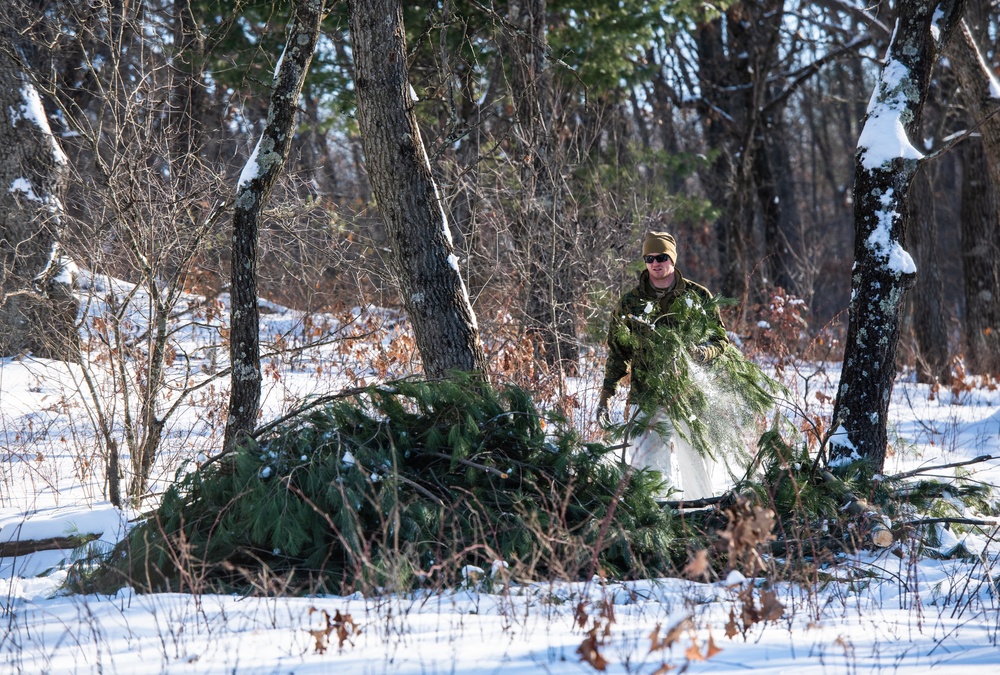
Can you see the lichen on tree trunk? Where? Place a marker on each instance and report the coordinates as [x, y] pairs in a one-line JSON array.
[[883, 271], [256, 182]]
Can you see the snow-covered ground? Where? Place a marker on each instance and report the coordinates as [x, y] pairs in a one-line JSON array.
[[888, 611]]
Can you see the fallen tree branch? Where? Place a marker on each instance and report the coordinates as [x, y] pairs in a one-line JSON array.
[[879, 532], [915, 472], [467, 462], [13, 549], [704, 502], [951, 521]]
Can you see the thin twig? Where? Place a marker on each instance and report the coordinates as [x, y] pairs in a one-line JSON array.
[[314, 403], [914, 472], [474, 465], [419, 488], [968, 132], [950, 521]]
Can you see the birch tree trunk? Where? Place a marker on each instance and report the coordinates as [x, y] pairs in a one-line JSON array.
[[255, 184], [422, 251], [885, 164]]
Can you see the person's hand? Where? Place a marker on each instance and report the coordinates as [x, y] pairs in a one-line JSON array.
[[603, 415], [703, 353]]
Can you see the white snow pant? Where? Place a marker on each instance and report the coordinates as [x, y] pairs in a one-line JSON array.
[[661, 448]]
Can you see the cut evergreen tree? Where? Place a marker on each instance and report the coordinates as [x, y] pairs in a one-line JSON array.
[[403, 484]]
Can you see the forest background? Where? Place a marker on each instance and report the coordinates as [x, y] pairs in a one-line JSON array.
[[172, 168], [556, 134]]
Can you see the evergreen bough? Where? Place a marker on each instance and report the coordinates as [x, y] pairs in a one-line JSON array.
[[708, 404], [402, 484]]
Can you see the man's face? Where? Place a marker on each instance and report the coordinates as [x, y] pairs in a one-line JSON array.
[[660, 267]]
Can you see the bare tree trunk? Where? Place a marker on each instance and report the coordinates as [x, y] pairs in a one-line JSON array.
[[774, 178], [980, 221], [37, 313], [733, 75], [255, 184], [981, 187], [399, 170], [883, 269], [927, 306], [188, 109]]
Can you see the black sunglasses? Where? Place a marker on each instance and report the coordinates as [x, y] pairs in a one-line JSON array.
[[661, 258]]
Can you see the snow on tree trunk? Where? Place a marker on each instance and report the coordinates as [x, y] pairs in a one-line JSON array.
[[37, 308], [256, 181], [399, 170], [885, 162]]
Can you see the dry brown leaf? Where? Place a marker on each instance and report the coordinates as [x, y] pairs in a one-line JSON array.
[[712, 649], [697, 566], [342, 623], [580, 614], [588, 652], [608, 611], [671, 637], [750, 613], [731, 628], [665, 668], [693, 653], [674, 634], [771, 608]]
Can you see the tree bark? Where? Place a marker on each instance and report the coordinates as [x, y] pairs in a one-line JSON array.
[[980, 190], [930, 331], [253, 189], [774, 178], [979, 217], [422, 251], [883, 269], [37, 308]]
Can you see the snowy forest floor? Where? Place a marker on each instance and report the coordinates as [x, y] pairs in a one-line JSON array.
[[894, 610]]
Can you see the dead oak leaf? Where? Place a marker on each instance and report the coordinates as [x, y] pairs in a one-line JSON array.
[[771, 608], [693, 653], [671, 635], [588, 652], [731, 627], [712, 649], [697, 567]]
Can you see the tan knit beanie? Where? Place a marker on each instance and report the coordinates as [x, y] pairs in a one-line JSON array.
[[660, 242]]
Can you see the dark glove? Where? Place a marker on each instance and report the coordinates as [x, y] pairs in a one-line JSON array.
[[603, 416]]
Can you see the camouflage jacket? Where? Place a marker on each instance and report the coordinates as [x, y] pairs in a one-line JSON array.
[[639, 311]]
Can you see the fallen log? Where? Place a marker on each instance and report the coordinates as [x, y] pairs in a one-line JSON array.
[[16, 548], [877, 530]]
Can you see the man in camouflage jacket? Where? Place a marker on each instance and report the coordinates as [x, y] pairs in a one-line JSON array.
[[640, 310]]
